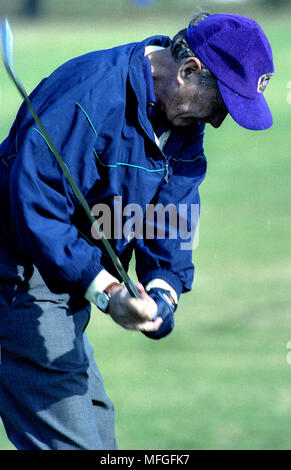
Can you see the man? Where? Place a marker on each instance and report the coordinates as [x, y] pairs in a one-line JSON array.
[[129, 123]]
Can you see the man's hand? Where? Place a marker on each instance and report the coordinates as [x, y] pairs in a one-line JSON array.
[[165, 310], [131, 313]]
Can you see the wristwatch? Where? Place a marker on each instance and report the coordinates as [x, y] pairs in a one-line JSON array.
[[102, 298]]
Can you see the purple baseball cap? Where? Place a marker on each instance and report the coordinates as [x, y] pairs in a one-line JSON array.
[[237, 52]]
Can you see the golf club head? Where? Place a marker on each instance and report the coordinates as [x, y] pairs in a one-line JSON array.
[[7, 44]]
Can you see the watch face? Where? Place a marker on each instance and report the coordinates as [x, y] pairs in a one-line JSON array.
[[102, 301]]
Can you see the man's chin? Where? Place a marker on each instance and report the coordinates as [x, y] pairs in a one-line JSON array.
[[184, 121]]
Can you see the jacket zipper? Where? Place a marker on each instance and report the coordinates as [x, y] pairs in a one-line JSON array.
[[167, 166], [166, 177]]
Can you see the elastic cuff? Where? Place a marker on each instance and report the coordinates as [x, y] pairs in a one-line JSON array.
[[167, 276], [160, 283]]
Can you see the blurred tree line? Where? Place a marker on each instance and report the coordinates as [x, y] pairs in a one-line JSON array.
[[37, 8], [34, 7]]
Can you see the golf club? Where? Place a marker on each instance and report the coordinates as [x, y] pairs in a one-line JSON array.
[[7, 52]]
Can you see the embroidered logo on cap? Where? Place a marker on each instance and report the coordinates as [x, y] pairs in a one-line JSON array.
[[263, 82]]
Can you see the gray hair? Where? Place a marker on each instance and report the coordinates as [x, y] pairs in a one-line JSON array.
[[180, 50]]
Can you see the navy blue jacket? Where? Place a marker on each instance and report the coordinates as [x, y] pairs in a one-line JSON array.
[[94, 107]]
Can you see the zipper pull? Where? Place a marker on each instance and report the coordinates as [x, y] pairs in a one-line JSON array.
[[166, 177]]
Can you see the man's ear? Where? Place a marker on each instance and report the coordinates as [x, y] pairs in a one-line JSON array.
[[189, 67]]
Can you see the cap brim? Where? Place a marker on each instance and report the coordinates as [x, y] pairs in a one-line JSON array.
[[252, 114]]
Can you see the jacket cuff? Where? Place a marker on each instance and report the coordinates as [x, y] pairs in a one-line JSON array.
[[167, 276], [161, 284]]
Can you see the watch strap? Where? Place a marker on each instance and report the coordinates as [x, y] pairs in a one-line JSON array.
[[109, 288]]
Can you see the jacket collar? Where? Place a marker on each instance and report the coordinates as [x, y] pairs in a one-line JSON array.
[[138, 81]]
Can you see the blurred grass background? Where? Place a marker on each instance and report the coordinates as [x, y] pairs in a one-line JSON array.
[[221, 380]]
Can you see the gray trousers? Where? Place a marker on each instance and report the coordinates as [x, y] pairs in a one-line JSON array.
[[51, 392]]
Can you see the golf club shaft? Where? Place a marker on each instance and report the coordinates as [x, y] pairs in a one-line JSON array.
[[131, 287]]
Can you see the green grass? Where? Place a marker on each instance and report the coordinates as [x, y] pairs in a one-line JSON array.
[[221, 380]]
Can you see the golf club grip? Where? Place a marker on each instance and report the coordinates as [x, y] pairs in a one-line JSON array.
[[132, 289]]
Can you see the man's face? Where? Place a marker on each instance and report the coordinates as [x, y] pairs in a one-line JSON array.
[[186, 101]]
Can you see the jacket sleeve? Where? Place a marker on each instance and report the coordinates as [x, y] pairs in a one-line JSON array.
[[42, 202], [165, 251]]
